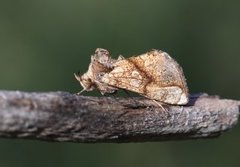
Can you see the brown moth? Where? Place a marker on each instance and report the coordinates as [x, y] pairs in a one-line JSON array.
[[154, 75]]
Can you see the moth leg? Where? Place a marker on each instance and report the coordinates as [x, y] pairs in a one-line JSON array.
[[160, 105], [79, 93], [125, 91], [104, 88]]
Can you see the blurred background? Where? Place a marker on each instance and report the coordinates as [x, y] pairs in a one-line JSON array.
[[42, 43]]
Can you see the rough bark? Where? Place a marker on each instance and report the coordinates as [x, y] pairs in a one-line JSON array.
[[61, 116]]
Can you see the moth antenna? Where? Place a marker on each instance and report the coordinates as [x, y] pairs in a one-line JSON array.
[[160, 105], [77, 76]]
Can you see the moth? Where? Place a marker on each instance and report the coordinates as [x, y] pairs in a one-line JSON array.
[[154, 75]]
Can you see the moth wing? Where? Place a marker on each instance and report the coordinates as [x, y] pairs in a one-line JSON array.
[[126, 76], [154, 75], [162, 69], [169, 95], [168, 83]]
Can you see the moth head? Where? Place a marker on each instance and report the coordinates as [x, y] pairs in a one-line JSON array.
[[85, 81]]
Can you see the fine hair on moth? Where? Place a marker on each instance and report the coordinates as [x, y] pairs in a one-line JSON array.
[[154, 75]]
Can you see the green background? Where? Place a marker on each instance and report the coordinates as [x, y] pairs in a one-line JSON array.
[[42, 43]]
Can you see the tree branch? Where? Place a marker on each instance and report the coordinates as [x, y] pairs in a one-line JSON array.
[[61, 116]]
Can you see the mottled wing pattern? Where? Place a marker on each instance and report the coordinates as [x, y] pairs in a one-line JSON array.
[[167, 79], [127, 76], [161, 68], [153, 74]]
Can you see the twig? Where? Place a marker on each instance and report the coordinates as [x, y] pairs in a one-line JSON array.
[[61, 116]]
